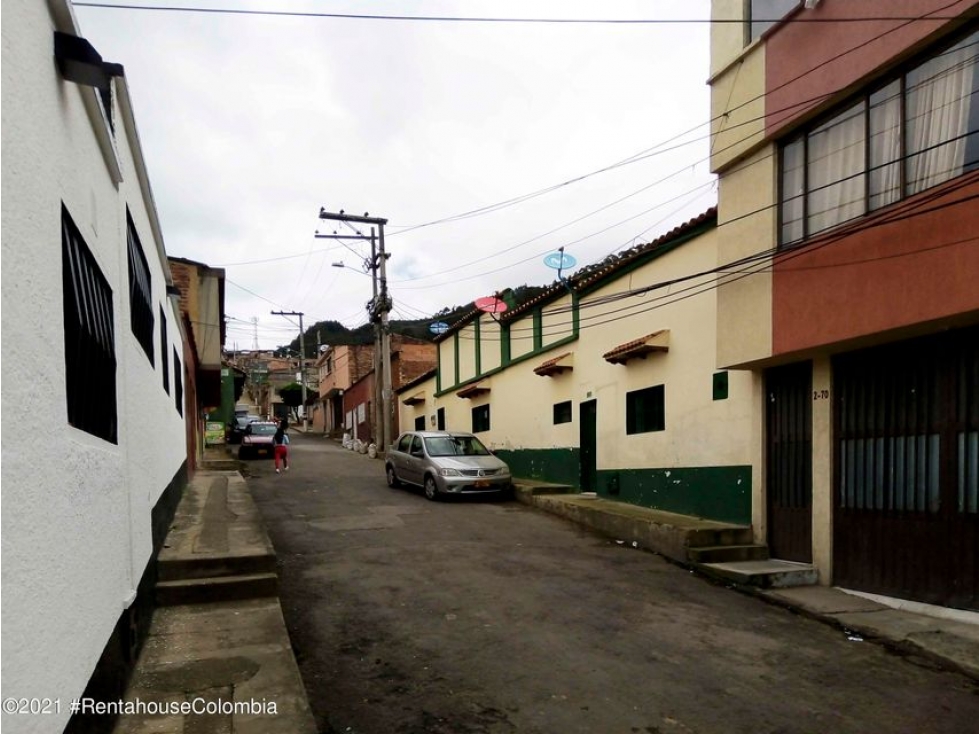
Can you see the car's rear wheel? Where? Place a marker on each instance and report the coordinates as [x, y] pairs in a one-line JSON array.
[[431, 488], [393, 480]]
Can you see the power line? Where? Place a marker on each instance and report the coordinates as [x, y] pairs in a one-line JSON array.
[[650, 152], [759, 261], [738, 167], [485, 19]]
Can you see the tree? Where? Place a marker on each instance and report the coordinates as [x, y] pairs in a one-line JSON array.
[[292, 396]]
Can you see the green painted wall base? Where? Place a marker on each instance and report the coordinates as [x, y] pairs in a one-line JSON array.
[[559, 466], [721, 493]]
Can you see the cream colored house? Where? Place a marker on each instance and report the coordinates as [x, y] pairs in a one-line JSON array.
[[608, 383]]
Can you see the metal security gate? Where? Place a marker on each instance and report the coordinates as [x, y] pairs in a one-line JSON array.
[[906, 517], [788, 478]]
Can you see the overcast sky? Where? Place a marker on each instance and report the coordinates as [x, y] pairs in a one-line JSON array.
[[250, 124]]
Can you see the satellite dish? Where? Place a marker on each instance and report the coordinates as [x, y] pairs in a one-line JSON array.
[[490, 304], [560, 260], [439, 327]]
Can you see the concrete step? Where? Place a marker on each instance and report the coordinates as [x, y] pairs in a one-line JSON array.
[[200, 567], [710, 537], [728, 553], [766, 574], [215, 589], [533, 488]]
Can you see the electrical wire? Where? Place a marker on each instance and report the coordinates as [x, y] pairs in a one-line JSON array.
[[739, 167], [932, 18], [483, 19], [743, 267]]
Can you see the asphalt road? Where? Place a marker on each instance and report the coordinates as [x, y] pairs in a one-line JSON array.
[[473, 617]]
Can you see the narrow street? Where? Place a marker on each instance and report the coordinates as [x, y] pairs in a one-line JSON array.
[[463, 617]]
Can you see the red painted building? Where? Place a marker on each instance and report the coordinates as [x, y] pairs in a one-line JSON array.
[[847, 145]]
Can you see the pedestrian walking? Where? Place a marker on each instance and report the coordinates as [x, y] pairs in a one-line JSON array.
[[280, 446]]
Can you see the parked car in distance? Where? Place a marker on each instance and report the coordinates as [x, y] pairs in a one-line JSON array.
[[256, 442], [238, 426], [446, 463]]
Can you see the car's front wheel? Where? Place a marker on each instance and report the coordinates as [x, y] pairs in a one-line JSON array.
[[393, 480], [431, 488]]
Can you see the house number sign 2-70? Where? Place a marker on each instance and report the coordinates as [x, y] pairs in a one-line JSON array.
[[820, 395]]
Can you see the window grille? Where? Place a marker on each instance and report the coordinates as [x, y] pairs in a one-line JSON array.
[[90, 358], [645, 410], [562, 412], [140, 290], [164, 364], [178, 384], [481, 418]]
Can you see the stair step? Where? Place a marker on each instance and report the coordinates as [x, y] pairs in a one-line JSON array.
[[728, 553], [768, 574], [219, 588], [185, 569], [712, 537]]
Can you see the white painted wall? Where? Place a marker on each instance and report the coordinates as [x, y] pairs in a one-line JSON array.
[[699, 430], [76, 509]]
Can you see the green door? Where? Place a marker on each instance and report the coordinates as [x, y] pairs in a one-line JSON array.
[[588, 436]]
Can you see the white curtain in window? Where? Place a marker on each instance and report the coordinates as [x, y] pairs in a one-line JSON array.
[[836, 163], [939, 95], [793, 191], [885, 146]]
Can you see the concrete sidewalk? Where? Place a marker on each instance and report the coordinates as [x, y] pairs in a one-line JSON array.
[[949, 638], [218, 657]]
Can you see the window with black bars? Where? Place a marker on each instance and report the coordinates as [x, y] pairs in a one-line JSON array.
[[645, 410], [140, 290], [481, 418], [178, 384], [90, 356], [164, 364], [562, 412]]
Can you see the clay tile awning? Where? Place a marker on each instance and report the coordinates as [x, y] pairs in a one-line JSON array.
[[418, 397], [658, 341], [473, 390], [563, 363]]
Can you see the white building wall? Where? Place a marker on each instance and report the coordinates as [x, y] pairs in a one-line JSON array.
[[76, 523], [490, 354], [700, 431]]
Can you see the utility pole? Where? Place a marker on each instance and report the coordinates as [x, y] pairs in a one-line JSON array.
[[380, 306], [302, 361]]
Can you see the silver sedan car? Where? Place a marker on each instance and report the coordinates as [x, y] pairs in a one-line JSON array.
[[446, 463]]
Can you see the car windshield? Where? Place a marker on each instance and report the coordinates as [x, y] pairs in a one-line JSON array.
[[455, 446], [261, 429]]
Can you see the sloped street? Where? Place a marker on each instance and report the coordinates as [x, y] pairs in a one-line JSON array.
[[411, 616]]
